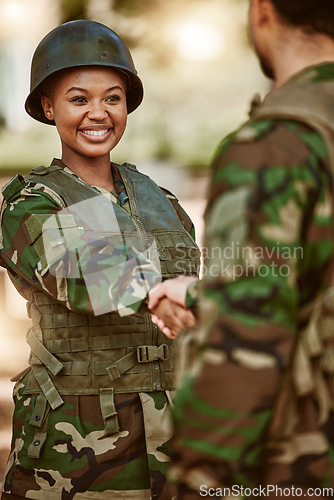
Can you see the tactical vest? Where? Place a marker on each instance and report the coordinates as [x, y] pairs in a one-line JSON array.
[[82, 354], [302, 100]]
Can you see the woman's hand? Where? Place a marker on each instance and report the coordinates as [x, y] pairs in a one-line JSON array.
[[171, 318], [174, 289]]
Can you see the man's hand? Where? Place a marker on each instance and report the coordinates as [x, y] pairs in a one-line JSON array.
[[173, 289], [171, 318]]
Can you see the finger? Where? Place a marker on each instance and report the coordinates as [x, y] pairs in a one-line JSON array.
[[155, 295], [154, 318], [170, 315], [161, 324], [158, 322], [191, 319], [169, 333], [186, 318]]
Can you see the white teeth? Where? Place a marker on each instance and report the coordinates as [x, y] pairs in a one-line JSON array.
[[95, 133]]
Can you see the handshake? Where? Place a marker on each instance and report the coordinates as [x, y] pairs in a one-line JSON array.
[[167, 303]]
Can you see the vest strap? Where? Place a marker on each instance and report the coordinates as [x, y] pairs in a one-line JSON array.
[[76, 368], [39, 420], [99, 343], [143, 354], [35, 448], [109, 413], [46, 385], [41, 360], [40, 412], [43, 354], [304, 101]]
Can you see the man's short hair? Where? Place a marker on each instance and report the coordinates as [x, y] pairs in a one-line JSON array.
[[314, 16]]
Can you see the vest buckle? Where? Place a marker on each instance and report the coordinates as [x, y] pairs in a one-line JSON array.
[[149, 353]]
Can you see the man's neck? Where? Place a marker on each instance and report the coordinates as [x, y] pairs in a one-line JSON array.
[[295, 54]]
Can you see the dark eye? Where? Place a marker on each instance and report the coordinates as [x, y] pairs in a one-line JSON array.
[[79, 98], [113, 98]]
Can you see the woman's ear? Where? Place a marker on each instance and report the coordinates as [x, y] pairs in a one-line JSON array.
[[47, 107]]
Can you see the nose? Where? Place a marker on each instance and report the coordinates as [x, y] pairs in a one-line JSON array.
[[97, 111]]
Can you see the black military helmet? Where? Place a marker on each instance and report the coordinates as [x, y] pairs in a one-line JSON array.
[[80, 43]]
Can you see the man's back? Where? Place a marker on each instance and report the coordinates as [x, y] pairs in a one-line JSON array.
[[244, 420]]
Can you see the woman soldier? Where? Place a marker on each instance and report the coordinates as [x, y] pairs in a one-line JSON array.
[[79, 241]]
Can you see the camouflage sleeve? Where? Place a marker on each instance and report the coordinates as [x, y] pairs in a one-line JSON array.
[[58, 250], [268, 246], [191, 300]]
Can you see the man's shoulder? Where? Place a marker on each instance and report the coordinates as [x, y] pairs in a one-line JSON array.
[[252, 131], [247, 134], [271, 140], [268, 151]]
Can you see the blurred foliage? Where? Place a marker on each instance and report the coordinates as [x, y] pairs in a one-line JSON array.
[[2, 123], [75, 9], [78, 9], [141, 24], [130, 7], [138, 23]]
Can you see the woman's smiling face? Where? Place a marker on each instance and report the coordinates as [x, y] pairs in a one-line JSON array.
[[88, 105]]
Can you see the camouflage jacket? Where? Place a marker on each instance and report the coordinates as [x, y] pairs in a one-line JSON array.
[[79, 275], [255, 409]]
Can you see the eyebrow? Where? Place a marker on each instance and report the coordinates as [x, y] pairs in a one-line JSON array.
[[79, 89]]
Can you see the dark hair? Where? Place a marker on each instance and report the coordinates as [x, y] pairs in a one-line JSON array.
[[314, 16], [46, 88]]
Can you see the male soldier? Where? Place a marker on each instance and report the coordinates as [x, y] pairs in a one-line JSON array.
[[257, 413]]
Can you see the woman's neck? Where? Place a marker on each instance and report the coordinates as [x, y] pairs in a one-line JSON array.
[[93, 171]]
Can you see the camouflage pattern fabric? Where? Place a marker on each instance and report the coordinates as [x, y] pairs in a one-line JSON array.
[[78, 460], [256, 404], [32, 205]]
